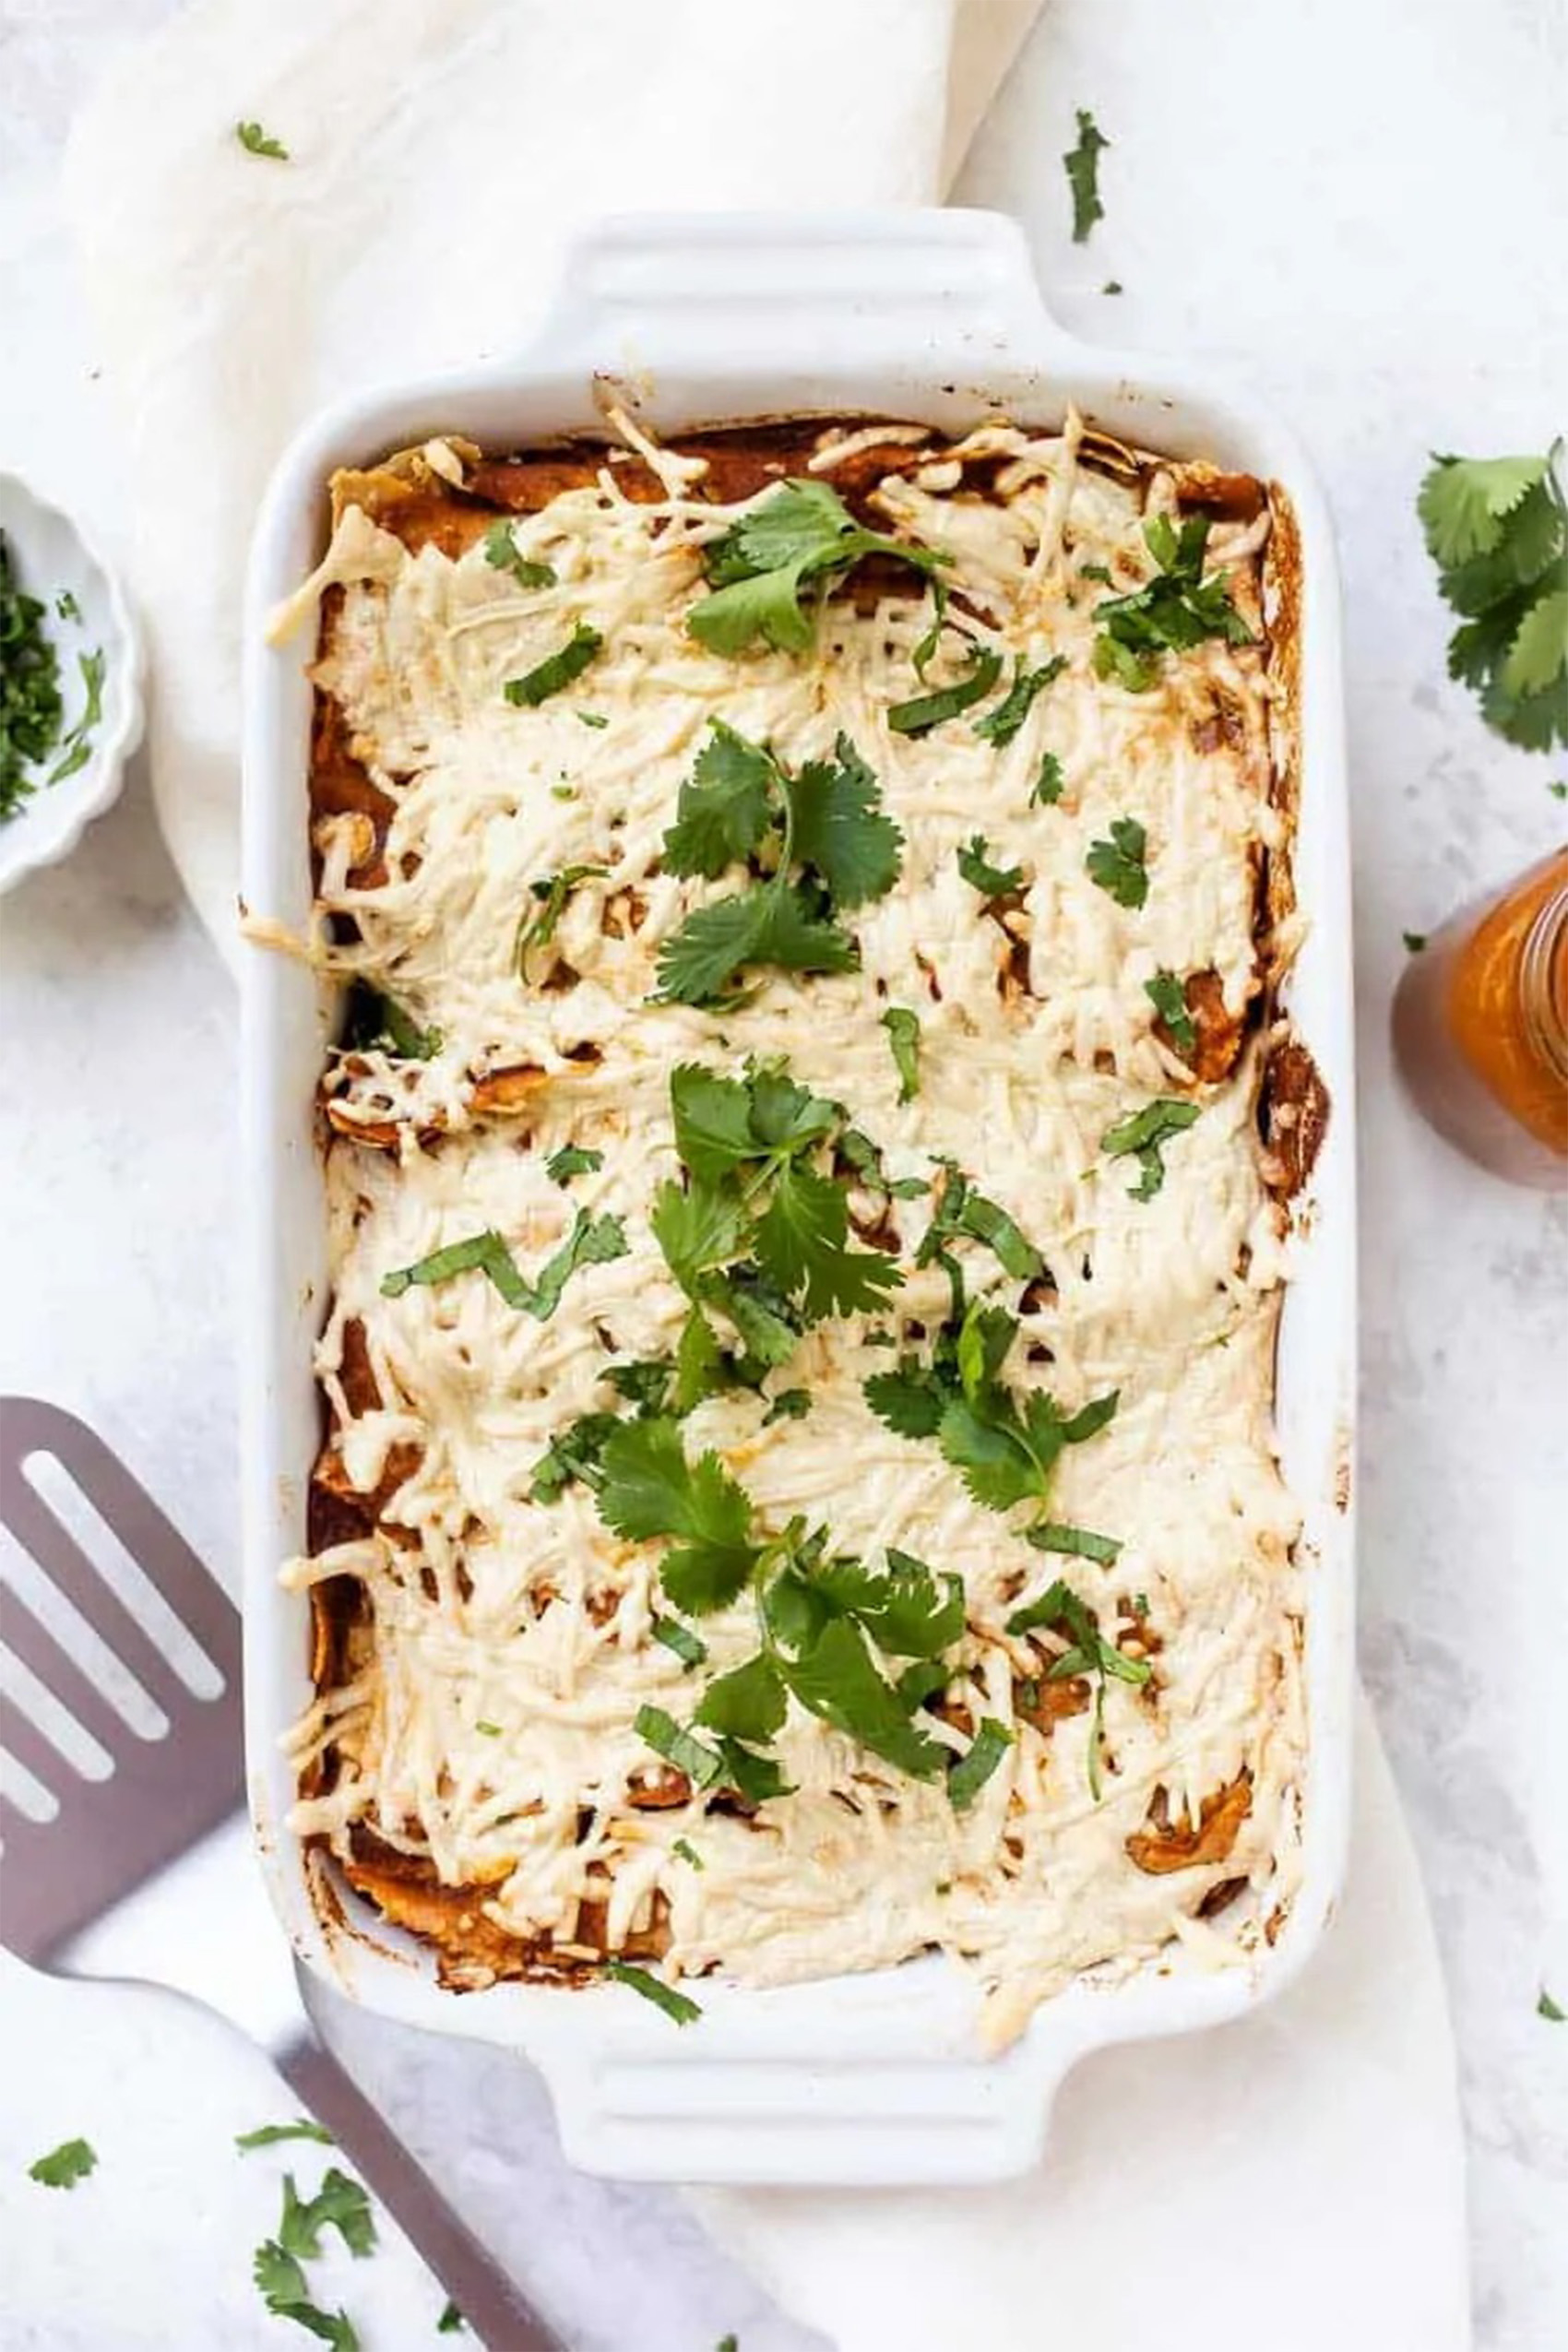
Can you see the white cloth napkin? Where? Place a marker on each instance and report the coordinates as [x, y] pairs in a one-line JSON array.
[[438, 151], [1297, 2178]]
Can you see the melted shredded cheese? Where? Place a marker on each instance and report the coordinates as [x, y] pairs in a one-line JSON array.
[[489, 1729]]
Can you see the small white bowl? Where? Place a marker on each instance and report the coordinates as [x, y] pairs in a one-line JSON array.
[[51, 559]]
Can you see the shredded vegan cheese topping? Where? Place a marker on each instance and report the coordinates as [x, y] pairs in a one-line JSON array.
[[483, 1726]]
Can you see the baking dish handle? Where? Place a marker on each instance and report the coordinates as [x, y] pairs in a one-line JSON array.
[[754, 291]]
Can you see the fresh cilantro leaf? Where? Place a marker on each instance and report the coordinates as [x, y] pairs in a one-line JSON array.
[[910, 1400], [968, 1775], [1557, 790], [688, 1853], [551, 891], [801, 533], [501, 553], [650, 1489], [1048, 784], [268, 2134], [255, 141], [1547, 2008], [768, 1326], [287, 2296], [725, 807], [788, 1405], [340, 2203], [999, 726], [1117, 865], [903, 1035], [572, 1453], [1088, 1655], [1077, 1542], [702, 1765], [712, 1115], [31, 710], [645, 1381], [1464, 502], [1414, 941], [922, 712], [992, 882], [1168, 996], [748, 1703], [1082, 163], [1176, 610], [1142, 1133], [799, 1241], [925, 649], [962, 1210], [63, 2166], [836, 1680], [754, 1778], [573, 1159], [451, 2322], [838, 829], [556, 672], [767, 926], [679, 2006], [689, 1648], [907, 1610]]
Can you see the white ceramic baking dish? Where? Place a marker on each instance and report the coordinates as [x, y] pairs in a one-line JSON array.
[[935, 316]]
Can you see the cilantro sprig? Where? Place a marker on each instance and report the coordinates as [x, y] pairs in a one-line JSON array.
[[1497, 530], [593, 1240], [1171, 614], [758, 1231], [801, 537], [817, 844]]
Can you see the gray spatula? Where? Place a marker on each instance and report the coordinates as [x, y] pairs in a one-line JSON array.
[[161, 1795]]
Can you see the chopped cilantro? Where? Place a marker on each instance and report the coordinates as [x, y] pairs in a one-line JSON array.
[[968, 1775], [1168, 996], [992, 882], [688, 1853], [1046, 788], [678, 2006], [501, 553], [689, 1648], [1117, 865], [255, 141], [903, 1035], [1142, 1133], [1082, 163], [63, 2166], [788, 1405], [573, 1159], [999, 725], [551, 891], [923, 712], [593, 1240], [31, 710], [1171, 614], [268, 2135], [557, 670], [1547, 2008]]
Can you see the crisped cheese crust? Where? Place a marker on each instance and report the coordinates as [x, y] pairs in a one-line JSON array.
[[482, 1721]]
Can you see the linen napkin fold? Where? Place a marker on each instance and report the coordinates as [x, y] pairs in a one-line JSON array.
[[438, 151]]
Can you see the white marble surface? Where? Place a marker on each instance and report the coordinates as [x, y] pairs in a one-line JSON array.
[[1382, 256]]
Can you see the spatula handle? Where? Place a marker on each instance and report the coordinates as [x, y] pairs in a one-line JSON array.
[[491, 2305]]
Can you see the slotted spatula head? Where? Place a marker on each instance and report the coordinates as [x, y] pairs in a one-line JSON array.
[[163, 1793]]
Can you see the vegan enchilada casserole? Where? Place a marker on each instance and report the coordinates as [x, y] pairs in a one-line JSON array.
[[807, 1157]]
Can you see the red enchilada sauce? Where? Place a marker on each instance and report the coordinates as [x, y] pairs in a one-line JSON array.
[[1480, 1028]]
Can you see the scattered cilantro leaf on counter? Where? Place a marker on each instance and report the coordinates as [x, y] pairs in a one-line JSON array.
[[728, 2343], [551, 891], [593, 1240], [66, 607], [1175, 611], [968, 1775], [788, 1405], [340, 2203], [502, 554], [573, 1159], [269, 2134], [992, 882], [1142, 1133], [903, 1035], [999, 725], [1546, 2007], [922, 712], [286, 2293], [801, 535], [255, 141], [1117, 865], [689, 1648], [556, 672], [1168, 996], [678, 2006], [451, 2322], [63, 2166], [1047, 788], [1082, 164], [1497, 530], [31, 710], [817, 841], [1414, 941], [1111, 286]]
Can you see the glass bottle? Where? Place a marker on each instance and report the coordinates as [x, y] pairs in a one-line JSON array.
[[1481, 1027]]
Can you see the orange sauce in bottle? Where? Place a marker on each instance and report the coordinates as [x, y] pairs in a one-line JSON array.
[[1481, 1027]]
